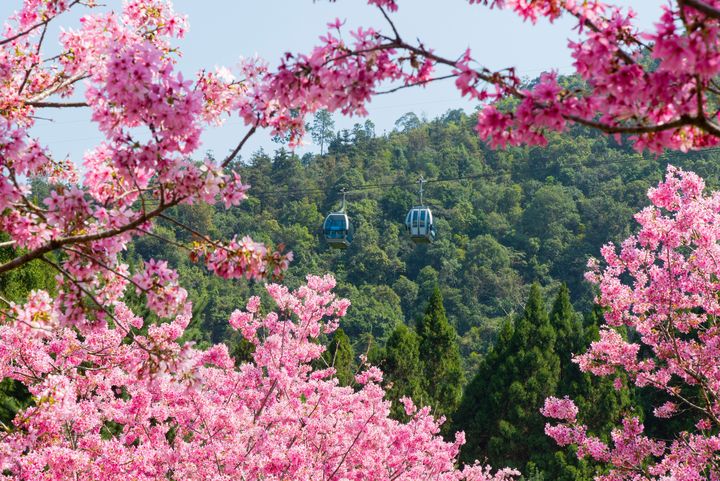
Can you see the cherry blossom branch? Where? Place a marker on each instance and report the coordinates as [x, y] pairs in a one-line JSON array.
[[81, 239], [57, 105], [79, 285], [94, 260], [700, 120], [633, 129], [352, 445], [619, 52], [701, 6], [37, 25], [240, 145], [47, 93], [264, 401], [389, 20], [415, 84], [32, 67]]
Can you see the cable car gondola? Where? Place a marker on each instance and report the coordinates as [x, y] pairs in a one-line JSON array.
[[419, 221], [337, 229]]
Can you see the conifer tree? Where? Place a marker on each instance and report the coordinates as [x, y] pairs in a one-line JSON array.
[[403, 369], [569, 340], [601, 404], [500, 412], [532, 359], [341, 356], [440, 354], [597, 395]]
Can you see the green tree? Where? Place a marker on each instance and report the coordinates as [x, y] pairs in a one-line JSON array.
[[500, 411], [440, 355], [341, 356], [601, 404], [581, 387], [569, 339], [16, 284], [402, 367], [321, 129]]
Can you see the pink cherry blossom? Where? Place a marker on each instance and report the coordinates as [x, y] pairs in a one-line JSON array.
[[662, 283], [110, 409]]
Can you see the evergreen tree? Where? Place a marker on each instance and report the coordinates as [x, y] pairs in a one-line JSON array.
[[581, 387], [500, 412], [403, 368], [569, 340], [601, 405], [321, 129], [341, 356], [440, 354]]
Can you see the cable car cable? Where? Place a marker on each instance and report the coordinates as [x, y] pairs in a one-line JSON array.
[[484, 175]]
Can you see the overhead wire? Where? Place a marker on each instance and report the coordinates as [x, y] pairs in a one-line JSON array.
[[354, 189]]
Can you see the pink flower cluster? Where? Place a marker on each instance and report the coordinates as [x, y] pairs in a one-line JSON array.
[[155, 409], [662, 284], [665, 107], [151, 116], [242, 258], [164, 296]]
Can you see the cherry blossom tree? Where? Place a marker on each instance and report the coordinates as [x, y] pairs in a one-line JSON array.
[[662, 283], [155, 409]]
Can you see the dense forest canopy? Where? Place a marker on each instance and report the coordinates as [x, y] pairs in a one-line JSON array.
[[506, 219]]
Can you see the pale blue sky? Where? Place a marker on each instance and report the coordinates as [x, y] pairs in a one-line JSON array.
[[221, 31]]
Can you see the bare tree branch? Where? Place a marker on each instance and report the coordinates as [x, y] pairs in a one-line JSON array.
[[239, 146], [701, 6], [81, 239], [57, 105], [415, 84]]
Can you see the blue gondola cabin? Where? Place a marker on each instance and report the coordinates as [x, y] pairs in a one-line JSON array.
[[338, 230], [419, 224]]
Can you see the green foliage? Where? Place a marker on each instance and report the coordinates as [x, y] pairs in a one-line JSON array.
[[523, 214], [13, 397], [569, 338], [341, 356], [375, 310], [442, 366], [16, 284], [402, 368], [500, 408]]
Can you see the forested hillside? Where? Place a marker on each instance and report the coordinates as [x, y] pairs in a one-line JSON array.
[[453, 324], [481, 324], [506, 219]]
